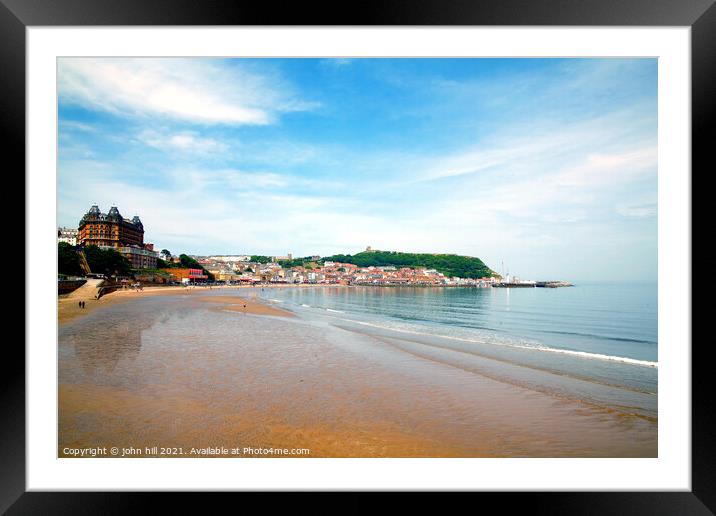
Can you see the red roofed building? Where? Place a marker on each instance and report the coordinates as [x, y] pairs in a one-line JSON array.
[[187, 275]]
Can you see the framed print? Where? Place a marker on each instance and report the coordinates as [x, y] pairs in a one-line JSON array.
[[445, 248]]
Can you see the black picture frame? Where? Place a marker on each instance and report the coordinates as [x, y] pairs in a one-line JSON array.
[[17, 15]]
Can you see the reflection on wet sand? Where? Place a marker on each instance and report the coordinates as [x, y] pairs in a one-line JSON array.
[[174, 372], [123, 341]]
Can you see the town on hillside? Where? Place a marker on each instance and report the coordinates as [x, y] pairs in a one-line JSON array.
[[108, 245]]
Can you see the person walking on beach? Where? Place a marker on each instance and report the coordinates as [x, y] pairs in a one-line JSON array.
[[80, 304]]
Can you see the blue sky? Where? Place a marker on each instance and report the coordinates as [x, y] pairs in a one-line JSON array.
[[547, 165]]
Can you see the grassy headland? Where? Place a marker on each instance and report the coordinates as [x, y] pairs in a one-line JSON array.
[[449, 264]]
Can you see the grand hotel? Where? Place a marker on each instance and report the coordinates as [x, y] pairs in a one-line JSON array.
[[112, 230]]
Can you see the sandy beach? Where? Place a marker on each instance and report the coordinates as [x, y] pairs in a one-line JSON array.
[[198, 369], [245, 305], [214, 422], [68, 306]]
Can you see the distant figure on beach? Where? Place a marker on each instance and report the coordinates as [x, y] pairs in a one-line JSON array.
[[80, 304]]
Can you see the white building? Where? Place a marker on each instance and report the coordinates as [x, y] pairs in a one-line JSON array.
[[231, 258], [67, 235]]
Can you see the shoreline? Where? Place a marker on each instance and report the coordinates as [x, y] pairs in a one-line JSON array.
[[69, 310], [68, 306]]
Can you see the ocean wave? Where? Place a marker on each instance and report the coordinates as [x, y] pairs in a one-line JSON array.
[[601, 337], [581, 354], [595, 356], [336, 311]]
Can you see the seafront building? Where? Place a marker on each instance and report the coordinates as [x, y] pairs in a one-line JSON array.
[[109, 229], [224, 274], [139, 257], [112, 230], [187, 275]]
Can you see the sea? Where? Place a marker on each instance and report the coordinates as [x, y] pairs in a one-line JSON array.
[[595, 341]]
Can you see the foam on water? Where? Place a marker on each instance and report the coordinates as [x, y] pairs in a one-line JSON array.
[[537, 347]]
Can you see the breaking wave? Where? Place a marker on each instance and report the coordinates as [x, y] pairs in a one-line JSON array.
[[538, 347]]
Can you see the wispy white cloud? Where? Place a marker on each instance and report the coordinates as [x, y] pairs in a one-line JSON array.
[[544, 145], [183, 141], [218, 210], [76, 126], [561, 195], [337, 61], [227, 180], [638, 211], [610, 169], [196, 90]]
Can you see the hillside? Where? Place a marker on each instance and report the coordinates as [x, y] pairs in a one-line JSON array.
[[449, 264]]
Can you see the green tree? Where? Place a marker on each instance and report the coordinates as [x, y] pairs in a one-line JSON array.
[[190, 263], [167, 252], [68, 261], [449, 264], [107, 261], [296, 262]]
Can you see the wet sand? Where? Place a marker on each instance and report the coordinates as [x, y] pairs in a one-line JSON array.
[[245, 305], [189, 371], [68, 308]]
